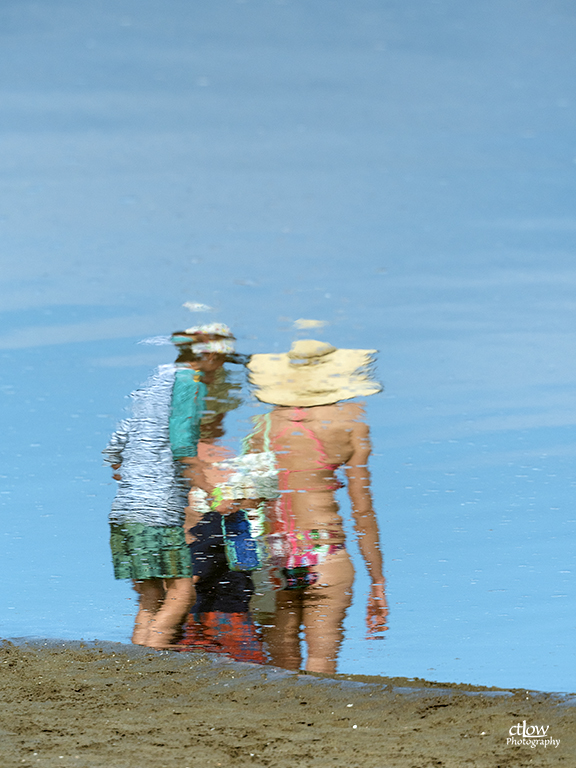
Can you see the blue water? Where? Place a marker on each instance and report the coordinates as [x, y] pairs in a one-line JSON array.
[[404, 172]]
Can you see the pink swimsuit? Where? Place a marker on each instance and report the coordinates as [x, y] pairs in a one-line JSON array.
[[292, 548]]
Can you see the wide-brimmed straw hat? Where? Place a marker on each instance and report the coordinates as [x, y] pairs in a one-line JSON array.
[[313, 373]]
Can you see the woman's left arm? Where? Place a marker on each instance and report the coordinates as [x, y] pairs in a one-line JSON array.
[[365, 523]]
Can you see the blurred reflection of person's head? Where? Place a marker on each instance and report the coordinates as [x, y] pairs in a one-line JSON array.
[[205, 348]]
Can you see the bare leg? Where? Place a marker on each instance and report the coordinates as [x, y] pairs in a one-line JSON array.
[[281, 633], [179, 598], [324, 608], [151, 593]]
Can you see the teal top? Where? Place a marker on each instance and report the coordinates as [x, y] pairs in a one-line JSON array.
[[188, 396]]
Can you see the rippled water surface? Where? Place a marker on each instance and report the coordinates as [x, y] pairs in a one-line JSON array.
[[403, 172]]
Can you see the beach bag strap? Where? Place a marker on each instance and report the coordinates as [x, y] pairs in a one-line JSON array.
[[258, 421]]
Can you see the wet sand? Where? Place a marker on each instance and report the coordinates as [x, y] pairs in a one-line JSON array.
[[85, 705]]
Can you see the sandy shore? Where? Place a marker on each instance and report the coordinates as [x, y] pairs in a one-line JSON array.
[[85, 705]]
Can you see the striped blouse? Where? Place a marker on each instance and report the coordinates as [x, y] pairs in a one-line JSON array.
[[164, 426]]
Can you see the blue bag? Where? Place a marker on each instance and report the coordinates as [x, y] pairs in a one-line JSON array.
[[242, 550]]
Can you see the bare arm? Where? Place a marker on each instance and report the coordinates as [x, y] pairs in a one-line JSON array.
[[365, 523], [194, 469]]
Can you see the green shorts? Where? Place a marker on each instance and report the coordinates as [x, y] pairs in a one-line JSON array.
[[147, 552]]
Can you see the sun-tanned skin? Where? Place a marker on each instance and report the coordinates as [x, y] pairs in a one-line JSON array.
[[310, 482]]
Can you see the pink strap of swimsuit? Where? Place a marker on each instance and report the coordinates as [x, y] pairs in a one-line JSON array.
[[284, 502]]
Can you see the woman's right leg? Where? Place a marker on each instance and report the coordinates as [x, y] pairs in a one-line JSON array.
[[151, 592], [324, 607]]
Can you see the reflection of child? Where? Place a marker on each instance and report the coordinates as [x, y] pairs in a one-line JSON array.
[[221, 522], [220, 621]]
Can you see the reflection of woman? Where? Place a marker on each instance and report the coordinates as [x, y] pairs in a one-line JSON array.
[[153, 451], [312, 434]]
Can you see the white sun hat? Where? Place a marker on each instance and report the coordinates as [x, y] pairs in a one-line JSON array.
[[210, 337]]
